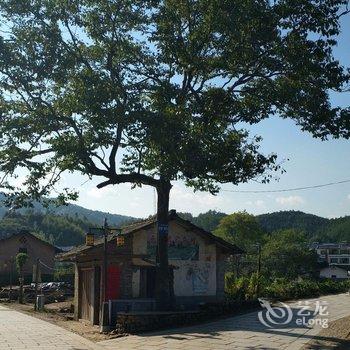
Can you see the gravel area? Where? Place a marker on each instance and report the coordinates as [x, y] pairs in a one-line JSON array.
[[336, 336]]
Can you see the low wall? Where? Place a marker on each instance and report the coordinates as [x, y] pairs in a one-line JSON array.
[[138, 322], [143, 322]]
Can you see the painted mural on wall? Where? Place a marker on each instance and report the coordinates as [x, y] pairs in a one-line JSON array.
[[199, 278], [195, 278], [180, 247]]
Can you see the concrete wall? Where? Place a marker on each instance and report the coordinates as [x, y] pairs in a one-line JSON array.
[[194, 257]]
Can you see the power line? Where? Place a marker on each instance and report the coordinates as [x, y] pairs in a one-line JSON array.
[[290, 189]]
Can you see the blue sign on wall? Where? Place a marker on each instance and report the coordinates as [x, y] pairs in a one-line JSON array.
[[163, 229]]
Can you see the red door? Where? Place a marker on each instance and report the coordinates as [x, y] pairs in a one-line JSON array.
[[113, 282]]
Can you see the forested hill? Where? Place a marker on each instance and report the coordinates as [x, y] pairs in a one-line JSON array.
[[75, 211], [315, 227], [61, 230], [298, 220], [65, 226], [62, 226]]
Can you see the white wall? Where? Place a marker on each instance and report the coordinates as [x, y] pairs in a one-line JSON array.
[[194, 258], [328, 272]]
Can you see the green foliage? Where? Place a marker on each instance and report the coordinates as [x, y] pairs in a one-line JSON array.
[[336, 231], [64, 272], [282, 289], [241, 229], [208, 221], [21, 259], [282, 220], [74, 211], [242, 289], [316, 229], [168, 84], [286, 254], [58, 230]]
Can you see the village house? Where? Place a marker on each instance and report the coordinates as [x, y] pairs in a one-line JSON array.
[[35, 248], [197, 258], [334, 259]]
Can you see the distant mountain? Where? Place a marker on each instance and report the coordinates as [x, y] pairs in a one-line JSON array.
[[67, 225], [95, 217], [336, 231], [298, 220], [316, 228]]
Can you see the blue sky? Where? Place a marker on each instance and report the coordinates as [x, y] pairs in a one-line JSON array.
[[311, 162]]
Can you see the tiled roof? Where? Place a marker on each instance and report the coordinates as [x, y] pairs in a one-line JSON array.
[[233, 249]]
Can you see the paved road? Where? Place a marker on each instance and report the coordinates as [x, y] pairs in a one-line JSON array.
[[22, 332], [240, 332], [19, 331]]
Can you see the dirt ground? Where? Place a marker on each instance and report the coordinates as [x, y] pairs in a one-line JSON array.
[[336, 336], [63, 320]]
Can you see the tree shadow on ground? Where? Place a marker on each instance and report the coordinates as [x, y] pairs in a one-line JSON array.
[[288, 328]]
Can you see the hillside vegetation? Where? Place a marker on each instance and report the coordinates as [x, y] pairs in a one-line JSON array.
[[67, 225], [76, 211], [58, 230], [316, 228]]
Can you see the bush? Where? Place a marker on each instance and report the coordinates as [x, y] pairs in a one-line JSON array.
[[64, 272], [243, 288]]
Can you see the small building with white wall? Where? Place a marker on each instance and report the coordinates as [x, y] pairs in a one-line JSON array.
[[197, 258], [334, 272]]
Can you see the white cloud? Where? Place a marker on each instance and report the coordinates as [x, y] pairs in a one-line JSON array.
[[349, 196], [290, 201], [96, 193], [259, 203]]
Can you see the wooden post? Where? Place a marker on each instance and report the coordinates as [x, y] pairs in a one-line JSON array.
[[76, 291]]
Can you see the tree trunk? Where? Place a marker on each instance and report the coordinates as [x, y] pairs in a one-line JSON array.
[[163, 283]]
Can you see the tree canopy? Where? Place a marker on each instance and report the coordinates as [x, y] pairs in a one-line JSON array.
[[170, 83], [287, 254], [149, 92], [241, 229]]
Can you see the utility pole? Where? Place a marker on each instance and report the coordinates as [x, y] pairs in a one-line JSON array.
[[104, 319], [258, 271], [105, 257], [11, 270], [36, 280]]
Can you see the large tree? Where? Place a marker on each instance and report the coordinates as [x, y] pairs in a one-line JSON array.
[[149, 92], [286, 254], [242, 229]]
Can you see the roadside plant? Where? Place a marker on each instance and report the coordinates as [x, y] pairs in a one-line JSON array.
[[21, 259]]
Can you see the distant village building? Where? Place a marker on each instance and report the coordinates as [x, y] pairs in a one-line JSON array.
[[197, 259], [35, 248], [335, 258]]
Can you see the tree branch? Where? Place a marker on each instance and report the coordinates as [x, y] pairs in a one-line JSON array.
[[132, 178]]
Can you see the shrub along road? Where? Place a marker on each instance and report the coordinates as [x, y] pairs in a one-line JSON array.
[[19, 331]]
